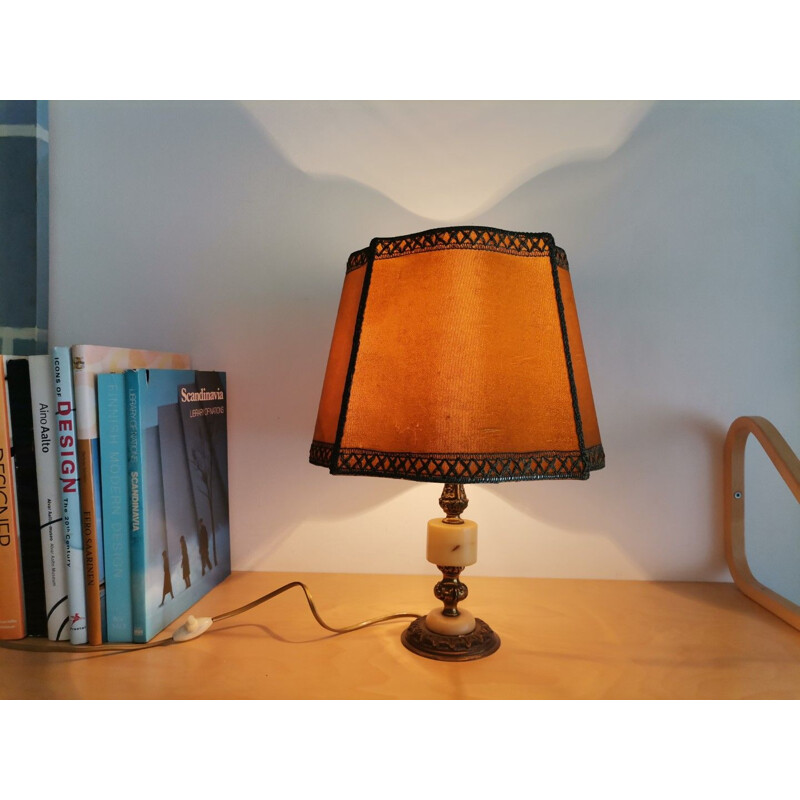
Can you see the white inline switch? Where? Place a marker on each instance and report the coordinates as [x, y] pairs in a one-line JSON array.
[[192, 628]]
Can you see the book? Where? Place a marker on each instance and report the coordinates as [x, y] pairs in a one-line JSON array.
[[30, 541], [54, 558], [203, 412], [87, 362], [66, 447], [12, 604], [178, 485], [112, 427]]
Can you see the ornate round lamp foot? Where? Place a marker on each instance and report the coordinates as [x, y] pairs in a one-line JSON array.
[[419, 639]]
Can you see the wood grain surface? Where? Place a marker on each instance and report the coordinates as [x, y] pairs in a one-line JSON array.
[[561, 639]]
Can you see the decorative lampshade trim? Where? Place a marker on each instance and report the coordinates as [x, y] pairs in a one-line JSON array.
[[459, 468], [568, 357], [459, 238]]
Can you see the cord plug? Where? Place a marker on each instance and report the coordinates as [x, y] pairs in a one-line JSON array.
[[192, 628]]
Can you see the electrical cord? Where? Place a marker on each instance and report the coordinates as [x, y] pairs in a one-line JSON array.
[[192, 628]]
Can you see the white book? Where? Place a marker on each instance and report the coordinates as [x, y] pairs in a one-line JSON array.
[[54, 555], [70, 492]]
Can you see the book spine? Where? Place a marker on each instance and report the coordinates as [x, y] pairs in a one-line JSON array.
[[30, 542], [89, 480], [136, 500], [114, 503], [70, 492], [12, 609], [51, 529]]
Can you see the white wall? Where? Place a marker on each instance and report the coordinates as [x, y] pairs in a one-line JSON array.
[[223, 229]]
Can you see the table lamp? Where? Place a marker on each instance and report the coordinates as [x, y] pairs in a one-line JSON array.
[[457, 358]]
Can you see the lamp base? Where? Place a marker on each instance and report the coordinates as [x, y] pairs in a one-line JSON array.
[[419, 639]]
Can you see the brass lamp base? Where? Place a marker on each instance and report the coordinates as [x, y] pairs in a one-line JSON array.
[[419, 639], [448, 634]]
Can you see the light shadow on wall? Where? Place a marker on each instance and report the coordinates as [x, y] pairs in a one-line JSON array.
[[219, 246], [684, 266], [444, 160]]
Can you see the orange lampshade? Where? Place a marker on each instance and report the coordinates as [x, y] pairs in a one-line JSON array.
[[457, 358]]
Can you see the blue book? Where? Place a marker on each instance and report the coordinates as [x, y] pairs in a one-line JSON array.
[[67, 446], [88, 361], [178, 492], [112, 423]]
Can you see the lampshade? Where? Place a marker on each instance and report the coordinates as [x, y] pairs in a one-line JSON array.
[[457, 358]]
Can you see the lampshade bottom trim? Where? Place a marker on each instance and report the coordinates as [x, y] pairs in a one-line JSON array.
[[419, 639], [459, 468]]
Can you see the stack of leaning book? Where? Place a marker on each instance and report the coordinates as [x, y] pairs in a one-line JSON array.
[[114, 513]]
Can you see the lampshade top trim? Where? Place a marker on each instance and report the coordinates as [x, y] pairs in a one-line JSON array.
[[461, 238]]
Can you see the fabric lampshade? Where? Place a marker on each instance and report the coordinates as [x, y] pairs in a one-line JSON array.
[[457, 358]]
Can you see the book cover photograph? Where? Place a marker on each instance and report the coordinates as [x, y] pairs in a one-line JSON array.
[[180, 531]]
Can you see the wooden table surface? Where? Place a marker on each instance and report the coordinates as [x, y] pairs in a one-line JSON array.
[[561, 639]]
